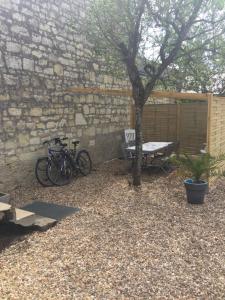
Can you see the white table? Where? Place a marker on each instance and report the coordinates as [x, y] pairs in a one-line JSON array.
[[151, 147]]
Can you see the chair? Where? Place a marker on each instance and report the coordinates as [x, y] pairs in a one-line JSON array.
[[203, 149], [129, 138], [161, 160]]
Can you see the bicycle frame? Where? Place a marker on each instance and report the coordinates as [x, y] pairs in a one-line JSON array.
[[63, 163], [65, 154]]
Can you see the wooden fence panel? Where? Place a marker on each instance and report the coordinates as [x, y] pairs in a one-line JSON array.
[[217, 126], [159, 122], [216, 129], [193, 127], [185, 122]]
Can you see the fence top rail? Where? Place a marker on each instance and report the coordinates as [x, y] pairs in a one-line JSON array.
[[179, 96], [184, 104], [218, 98], [128, 93]]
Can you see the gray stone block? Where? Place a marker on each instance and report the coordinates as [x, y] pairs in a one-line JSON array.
[[4, 198]]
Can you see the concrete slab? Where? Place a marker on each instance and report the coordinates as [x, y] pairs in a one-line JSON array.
[[51, 210], [4, 207], [21, 214], [42, 223], [5, 198], [5, 212], [25, 222], [24, 218]]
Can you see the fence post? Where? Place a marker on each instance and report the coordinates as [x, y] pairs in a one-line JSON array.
[[210, 99], [209, 119], [178, 123]]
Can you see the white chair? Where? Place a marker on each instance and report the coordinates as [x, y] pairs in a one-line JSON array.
[[129, 140], [129, 137]]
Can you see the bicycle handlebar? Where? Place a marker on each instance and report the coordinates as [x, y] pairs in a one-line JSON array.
[[56, 141]]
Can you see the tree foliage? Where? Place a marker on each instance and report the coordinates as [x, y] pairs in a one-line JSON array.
[[155, 42], [157, 29]]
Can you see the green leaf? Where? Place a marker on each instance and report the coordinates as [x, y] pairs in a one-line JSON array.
[[199, 166], [219, 3]]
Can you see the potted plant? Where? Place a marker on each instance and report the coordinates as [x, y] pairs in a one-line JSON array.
[[198, 168]]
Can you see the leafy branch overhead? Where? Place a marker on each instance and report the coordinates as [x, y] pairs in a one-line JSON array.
[[161, 42], [152, 40]]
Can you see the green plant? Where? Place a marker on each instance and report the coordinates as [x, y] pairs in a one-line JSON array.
[[198, 167]]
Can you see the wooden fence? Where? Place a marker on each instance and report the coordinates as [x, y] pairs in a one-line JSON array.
[[191, 123], [183, 122], [216, 128]]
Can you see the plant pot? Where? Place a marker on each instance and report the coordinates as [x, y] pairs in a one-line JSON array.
[[195, 191], [5, 198]]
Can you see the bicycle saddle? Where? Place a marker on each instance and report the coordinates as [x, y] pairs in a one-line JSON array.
[[75, 143]]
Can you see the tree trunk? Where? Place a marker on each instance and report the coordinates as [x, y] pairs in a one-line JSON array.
[[138, 144]]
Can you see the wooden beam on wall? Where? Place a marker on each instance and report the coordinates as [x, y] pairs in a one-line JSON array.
[[178, 105], [97, 91], [128, 93]]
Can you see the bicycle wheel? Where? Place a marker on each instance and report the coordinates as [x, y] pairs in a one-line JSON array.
[[41, 171], [84, 162], [59, 171]]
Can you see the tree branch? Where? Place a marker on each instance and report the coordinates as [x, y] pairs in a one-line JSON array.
[[177, 46]]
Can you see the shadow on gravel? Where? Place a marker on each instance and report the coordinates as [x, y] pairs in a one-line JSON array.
[[11, 233]]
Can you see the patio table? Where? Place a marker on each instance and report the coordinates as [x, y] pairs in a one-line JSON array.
[[150, 147], [150, 151]]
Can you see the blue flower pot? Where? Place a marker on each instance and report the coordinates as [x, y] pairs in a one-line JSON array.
[[195, 191]]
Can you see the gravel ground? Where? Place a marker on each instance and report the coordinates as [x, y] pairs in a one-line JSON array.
[[123, 244]]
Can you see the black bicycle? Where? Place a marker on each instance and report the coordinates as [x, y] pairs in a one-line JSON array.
[[62, 164], [42, 164]]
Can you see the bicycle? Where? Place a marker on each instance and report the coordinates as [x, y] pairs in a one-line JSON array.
[[62, 164], [42, 164]]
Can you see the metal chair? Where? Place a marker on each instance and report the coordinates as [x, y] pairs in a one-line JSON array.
[[203, 149], [161, 160], [129, 140], [129, 135]]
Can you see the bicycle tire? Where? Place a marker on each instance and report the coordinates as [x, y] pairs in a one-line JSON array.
[[41, 172], [60, 171], [84, 162]]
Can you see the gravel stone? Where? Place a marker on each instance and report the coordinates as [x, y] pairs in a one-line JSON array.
[[125, 243]]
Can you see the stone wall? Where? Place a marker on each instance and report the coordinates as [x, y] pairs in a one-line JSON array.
[[41, 54]]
